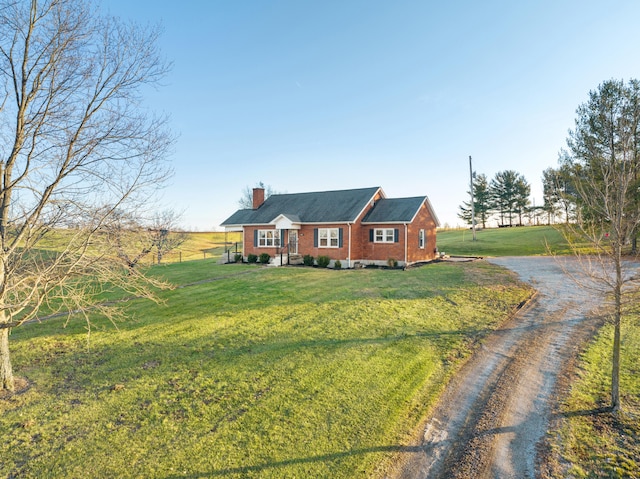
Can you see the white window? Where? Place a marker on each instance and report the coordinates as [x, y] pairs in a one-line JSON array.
[[268, 238], [384, 235], [328, 238], [421, 239]]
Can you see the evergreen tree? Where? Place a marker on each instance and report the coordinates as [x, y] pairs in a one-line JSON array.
[[550, 193], [509, 192], [481, 198], [523, 190]]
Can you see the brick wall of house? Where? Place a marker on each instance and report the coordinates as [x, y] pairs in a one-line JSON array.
[[372, 251], [248, 246], [425, 221], [306, 242], [359, 245], [382, 252]]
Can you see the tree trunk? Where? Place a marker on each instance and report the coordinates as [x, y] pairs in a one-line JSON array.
[[6, 372], [615, 372]]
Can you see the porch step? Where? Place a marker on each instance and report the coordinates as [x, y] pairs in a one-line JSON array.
[[295, 259], [292, 259]]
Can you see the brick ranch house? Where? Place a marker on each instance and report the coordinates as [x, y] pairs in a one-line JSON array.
[[357, 227]]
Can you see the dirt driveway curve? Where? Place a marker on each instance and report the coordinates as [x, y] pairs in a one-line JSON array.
[[494, 414]]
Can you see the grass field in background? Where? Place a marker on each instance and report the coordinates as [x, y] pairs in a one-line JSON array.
[[519, 241], [198, 245], [260, 372]]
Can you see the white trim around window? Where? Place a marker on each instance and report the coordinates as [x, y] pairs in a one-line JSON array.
[[328, 238], [268, 238], [421, 237], [384, 235]]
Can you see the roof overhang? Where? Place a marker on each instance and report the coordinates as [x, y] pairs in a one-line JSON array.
[[286, 222], [369, 223], [432, 212], [233, 228]]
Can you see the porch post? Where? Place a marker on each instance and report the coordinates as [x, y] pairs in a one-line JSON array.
[[406, 245], [349, 247]]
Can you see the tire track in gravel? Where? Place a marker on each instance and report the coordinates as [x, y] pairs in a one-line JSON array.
[[494, 413]]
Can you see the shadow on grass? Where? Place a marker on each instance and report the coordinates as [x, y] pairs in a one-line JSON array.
[[587, 412], [242, 470]]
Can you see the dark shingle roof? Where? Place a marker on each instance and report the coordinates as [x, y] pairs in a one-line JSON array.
[[320, 207], [394, 210]]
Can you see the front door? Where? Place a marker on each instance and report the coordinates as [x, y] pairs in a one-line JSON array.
[[293, 242]]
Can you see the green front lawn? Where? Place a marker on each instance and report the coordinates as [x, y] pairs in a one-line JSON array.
[[261, 372]]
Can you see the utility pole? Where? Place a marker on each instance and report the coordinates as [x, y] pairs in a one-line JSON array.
[[473, 206]]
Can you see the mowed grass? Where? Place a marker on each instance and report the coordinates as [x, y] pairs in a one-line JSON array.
[[520, 241], [201, 245], [593, 442], [251, 372]]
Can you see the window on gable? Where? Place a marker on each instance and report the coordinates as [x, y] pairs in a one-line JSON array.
[[268, 238], [384, 235], [421, 239], [328, 238]]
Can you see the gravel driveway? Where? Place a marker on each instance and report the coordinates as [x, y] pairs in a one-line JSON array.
[[495, 412]]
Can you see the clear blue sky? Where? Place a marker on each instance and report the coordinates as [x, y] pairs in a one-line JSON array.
[[312, 96]]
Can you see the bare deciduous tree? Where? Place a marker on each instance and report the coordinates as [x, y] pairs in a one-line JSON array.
[[246, 200], [132, 239], [165, 234], [76, 146], [603, 162], [129, 240]]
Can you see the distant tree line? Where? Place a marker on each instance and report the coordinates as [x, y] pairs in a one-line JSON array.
[[505, 197]]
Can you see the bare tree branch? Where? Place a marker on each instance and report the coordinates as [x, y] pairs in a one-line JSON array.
[[77, 148], [602, 167]]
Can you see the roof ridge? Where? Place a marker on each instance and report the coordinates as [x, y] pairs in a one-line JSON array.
[[374, 188]]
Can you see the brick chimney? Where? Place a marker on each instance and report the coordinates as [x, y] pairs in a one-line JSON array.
[[258, 197]]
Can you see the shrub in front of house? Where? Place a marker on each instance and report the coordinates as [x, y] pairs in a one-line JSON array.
[[308, 260], [337, 264], [238, 258], [323, 261], [252, 258], [264, 258], [392, 263]]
